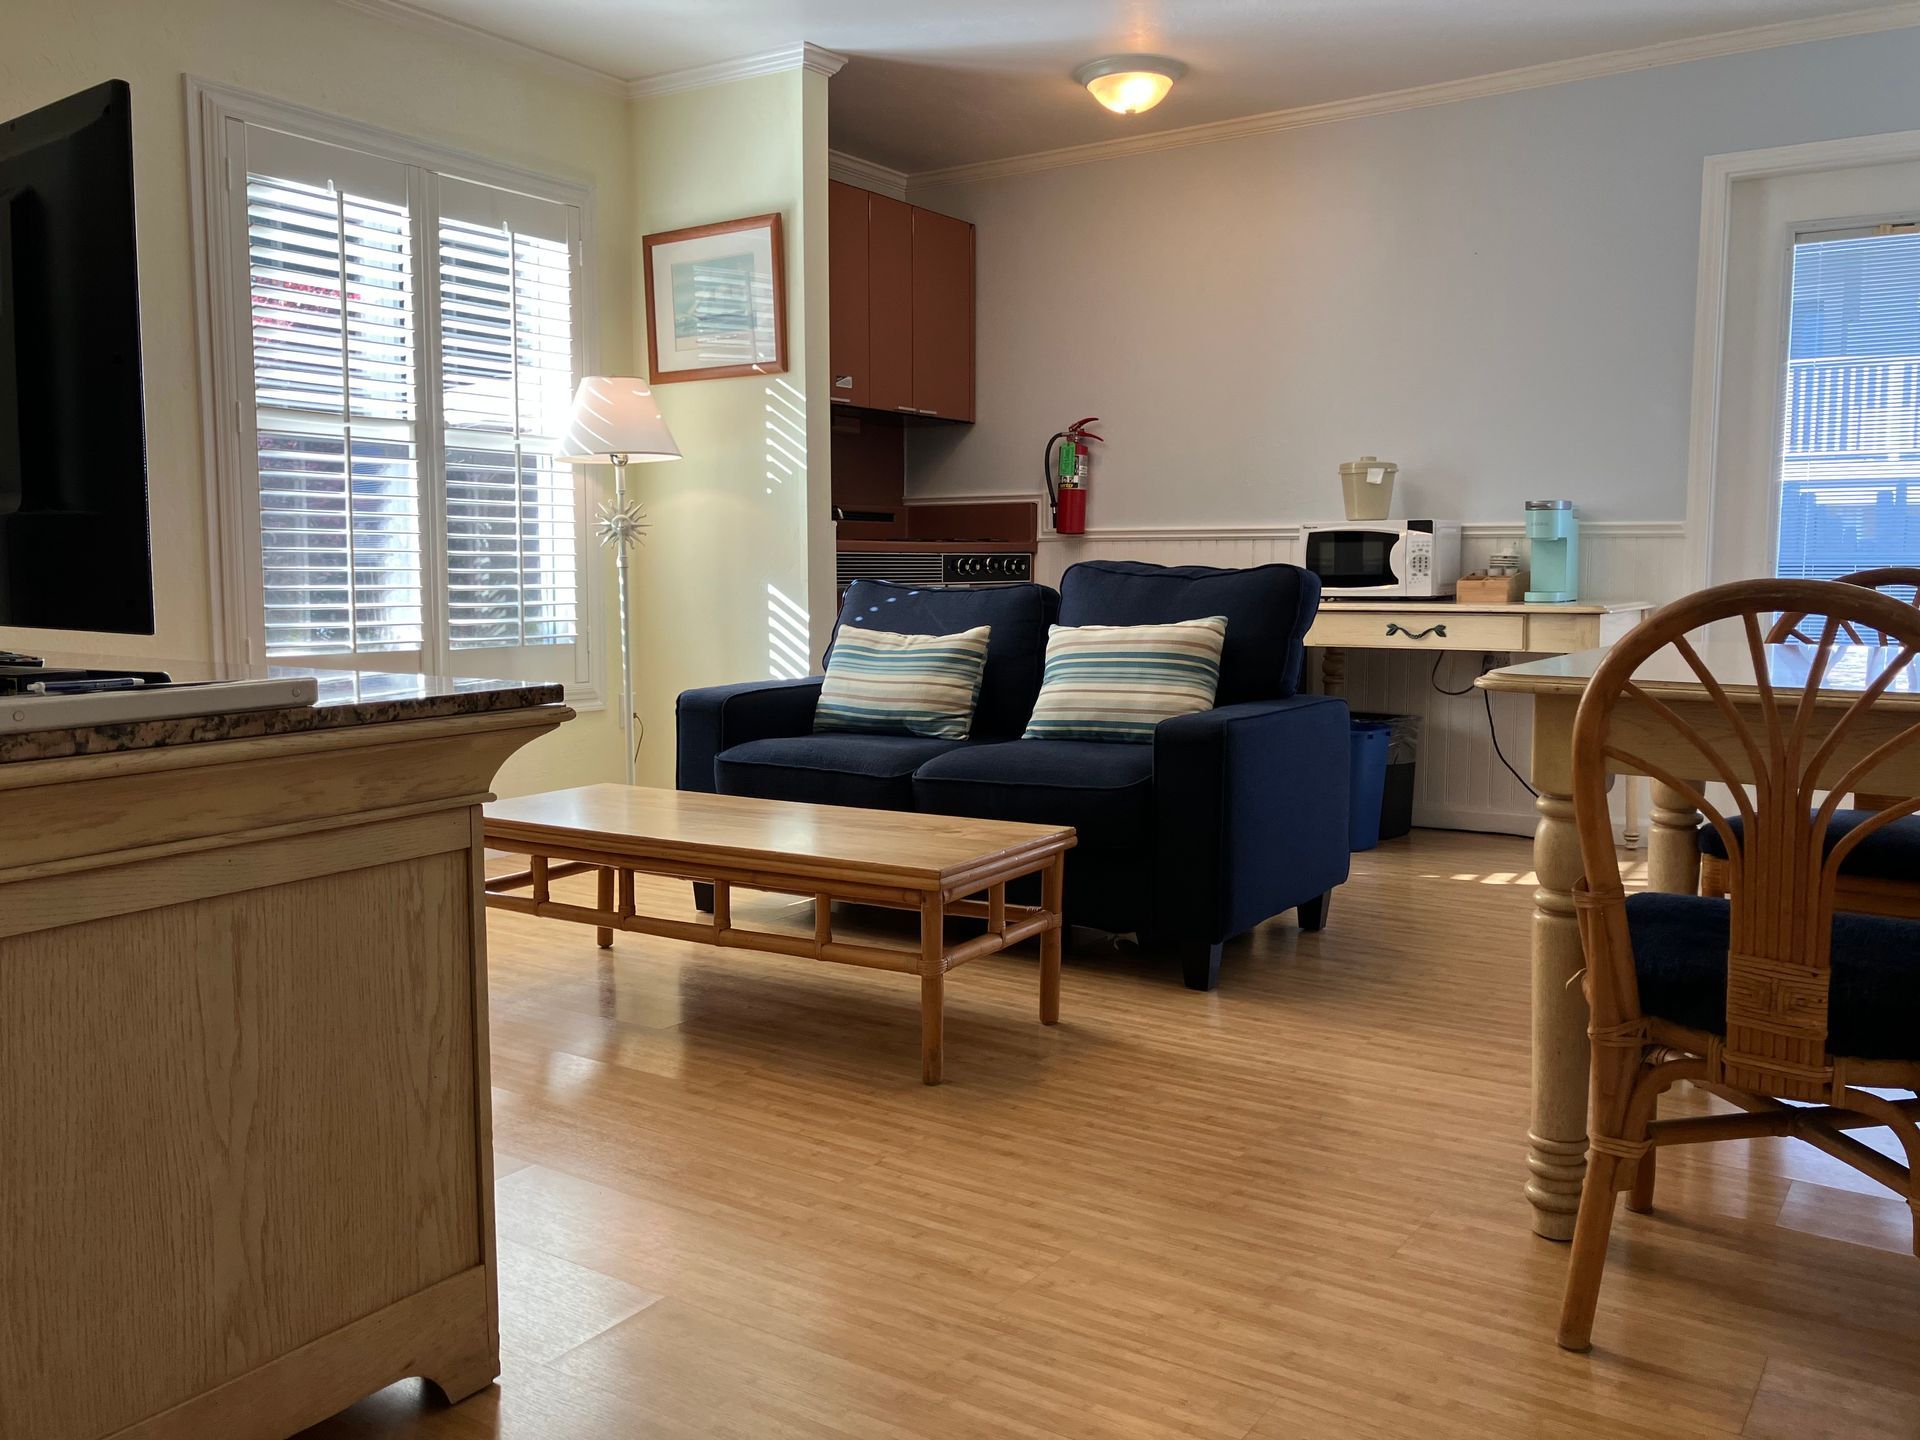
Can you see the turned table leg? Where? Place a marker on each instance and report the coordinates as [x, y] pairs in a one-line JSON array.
[[1557, 1137], [1673, 847], [1333, 670], [603, 936]]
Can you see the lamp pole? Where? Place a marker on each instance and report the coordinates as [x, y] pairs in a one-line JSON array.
[[620, 526]]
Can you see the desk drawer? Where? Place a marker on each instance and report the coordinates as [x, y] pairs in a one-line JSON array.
[[1416, 630]]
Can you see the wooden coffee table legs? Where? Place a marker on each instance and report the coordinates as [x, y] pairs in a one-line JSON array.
[[1052, 892], [1007, 925]]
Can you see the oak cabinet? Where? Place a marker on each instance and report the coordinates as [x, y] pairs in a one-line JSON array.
[[901, 306]]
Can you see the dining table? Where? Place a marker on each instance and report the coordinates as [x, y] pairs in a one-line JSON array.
[[1556, 1157]]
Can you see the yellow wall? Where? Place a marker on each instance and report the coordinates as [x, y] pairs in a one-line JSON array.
[[736, 517], [738, 562]]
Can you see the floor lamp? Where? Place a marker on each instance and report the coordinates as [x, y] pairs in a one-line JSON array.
[[615, 421]]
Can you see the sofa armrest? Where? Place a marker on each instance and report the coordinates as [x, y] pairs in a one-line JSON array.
[[722, 716], [1250, 813]]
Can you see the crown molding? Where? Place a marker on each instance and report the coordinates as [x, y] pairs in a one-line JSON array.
[[415, 18], [866, 174], [1505, 82], [772, 62]]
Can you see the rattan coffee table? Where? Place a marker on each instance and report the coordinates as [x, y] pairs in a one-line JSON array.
[[939, 865]]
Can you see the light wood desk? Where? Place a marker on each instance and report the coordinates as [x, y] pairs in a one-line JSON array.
[[1557, 1141], [1517, 629], [245, 1145]]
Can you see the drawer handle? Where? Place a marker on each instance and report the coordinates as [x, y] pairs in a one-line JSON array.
[[1394, 627]]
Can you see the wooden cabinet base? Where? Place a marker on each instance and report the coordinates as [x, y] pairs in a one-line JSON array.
[[244, 1099], [436, 1335]]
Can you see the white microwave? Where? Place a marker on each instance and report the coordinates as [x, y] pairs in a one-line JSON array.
[[1364, 559]]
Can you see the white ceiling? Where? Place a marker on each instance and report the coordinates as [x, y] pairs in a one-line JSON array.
[[934, 83]]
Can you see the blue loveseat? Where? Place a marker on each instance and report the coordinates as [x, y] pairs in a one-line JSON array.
[[1228, 818]]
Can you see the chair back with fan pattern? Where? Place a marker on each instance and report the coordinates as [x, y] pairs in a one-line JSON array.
[[1806, 751], [1889, 580]]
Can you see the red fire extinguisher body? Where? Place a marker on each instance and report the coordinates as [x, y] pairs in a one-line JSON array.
[[1070, 515]]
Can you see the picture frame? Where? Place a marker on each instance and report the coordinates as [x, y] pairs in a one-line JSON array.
[[716, 300]]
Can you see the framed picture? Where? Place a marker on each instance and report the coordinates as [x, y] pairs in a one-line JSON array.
[[716, 301]]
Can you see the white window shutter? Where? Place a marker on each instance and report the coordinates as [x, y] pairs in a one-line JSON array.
[[331, 296], [507, 361]]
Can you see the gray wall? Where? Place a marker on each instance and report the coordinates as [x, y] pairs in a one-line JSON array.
[[1498, 294]]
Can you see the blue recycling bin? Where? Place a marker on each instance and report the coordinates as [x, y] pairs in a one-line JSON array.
[[1366, 782]]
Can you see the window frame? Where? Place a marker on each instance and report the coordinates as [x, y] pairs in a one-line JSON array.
[[217, 116]]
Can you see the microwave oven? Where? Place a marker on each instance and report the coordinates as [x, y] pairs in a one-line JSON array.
[[1364, 559]]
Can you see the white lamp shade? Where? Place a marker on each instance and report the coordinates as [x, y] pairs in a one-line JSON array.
[[616, 415]]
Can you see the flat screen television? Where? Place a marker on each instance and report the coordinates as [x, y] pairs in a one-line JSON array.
[[75, 552]]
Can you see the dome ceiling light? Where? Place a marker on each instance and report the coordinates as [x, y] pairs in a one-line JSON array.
[[1130, 84]]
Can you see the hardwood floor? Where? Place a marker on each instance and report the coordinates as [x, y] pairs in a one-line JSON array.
[[1290, 1208]]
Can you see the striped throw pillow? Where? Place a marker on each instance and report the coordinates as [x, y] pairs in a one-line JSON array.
[[879, 683], [1116, 682]]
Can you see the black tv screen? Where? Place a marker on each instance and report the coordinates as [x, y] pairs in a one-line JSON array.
[[74, 547]]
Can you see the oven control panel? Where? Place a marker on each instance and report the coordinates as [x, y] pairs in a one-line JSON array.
[[999, 568]]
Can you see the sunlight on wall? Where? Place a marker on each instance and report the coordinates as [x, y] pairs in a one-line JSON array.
[[787, 648], [786, 435]]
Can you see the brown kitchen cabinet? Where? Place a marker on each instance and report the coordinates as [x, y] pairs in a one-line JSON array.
[[847, 286], [901, 306], [942, 316]]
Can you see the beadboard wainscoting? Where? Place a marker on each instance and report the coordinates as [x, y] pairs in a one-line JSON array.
[[1461, 783]]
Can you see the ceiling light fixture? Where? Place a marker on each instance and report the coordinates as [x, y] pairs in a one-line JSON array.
[[1130, 84]]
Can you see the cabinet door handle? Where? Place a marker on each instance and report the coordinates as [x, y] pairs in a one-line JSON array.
[[1394, 627], [929, 412]]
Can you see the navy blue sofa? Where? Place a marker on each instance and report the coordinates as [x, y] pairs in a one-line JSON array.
[[1228, 818]]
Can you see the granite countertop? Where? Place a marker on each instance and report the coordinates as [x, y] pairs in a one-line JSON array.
[[347, 698]]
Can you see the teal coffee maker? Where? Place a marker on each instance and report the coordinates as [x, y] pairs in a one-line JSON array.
[[1554, 534]]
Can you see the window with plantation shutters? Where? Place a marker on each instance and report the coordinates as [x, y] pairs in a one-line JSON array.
[[407, 336], [1850, 437]]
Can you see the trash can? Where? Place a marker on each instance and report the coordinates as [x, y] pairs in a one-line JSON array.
[[1396, 803], [1367, 777]]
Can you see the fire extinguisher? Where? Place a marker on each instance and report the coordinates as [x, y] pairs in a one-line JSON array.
[[1066, 466]]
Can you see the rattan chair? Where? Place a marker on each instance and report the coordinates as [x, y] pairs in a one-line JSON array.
[[1768, 997], [1882, 877]]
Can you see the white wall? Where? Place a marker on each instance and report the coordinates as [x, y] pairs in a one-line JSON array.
[[735, 580], [345, 62], [1498, 294]]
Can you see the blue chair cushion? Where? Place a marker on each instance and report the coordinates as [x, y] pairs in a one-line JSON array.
[[1890, 853], [1268, 610], [1020, 616], [1104, 791], [1873, 1013], [871, 771]]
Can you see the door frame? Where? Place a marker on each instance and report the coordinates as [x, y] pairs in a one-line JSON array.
[[1720, 174]]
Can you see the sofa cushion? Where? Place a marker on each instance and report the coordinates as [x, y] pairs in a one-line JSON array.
[[879, 683], [1104, 791], [1680, 957], [1118, 682], [1268, 609], [871, 771], [1019, 616], [1892, 853]]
